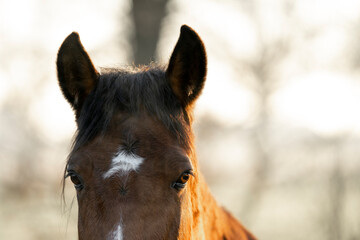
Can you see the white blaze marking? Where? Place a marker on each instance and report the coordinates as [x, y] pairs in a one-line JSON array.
[[124, 162], [116, 234]]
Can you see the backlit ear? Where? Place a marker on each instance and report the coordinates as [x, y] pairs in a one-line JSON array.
[[187, 67], [76, 73]]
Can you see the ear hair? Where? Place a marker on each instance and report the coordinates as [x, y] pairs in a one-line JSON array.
[[186, 71], [76, 73]]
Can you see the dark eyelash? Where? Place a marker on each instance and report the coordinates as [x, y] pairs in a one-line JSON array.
[[190, 171]]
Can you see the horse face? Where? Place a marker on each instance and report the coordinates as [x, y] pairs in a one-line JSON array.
[[133, 165], [133, 182]]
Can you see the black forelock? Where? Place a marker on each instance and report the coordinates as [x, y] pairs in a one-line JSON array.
[[133, 92]]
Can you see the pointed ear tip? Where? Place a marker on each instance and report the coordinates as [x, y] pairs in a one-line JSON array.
[[73, 36], [70, 41], [186, 29], [189, 33]]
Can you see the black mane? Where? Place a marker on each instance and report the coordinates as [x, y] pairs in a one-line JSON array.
[[132, 91]]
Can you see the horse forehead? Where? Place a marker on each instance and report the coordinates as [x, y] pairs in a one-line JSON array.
[[123, 162], [125, 145]]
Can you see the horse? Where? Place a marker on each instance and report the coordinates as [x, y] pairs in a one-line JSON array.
[[133, 161]]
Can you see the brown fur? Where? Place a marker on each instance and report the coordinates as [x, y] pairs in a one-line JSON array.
[[148, 113]]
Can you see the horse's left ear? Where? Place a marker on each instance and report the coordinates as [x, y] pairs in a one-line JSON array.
[[76, 73], [187, 67]]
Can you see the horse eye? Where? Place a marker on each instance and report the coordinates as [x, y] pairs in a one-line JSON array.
[[76, 180], [184, 178], [181, 181]]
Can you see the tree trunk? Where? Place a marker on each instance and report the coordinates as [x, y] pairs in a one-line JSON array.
[[148, 16]]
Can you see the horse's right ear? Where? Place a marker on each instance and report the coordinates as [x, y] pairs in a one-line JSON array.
[[186, 72], [76, 73]]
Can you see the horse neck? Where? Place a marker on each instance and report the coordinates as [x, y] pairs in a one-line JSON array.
[[203, 218], [211, 221]]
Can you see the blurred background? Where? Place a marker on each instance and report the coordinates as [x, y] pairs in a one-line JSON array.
[[278, 125]]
